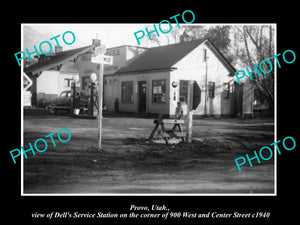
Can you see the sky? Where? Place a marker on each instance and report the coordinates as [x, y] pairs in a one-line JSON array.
[[111, 35]]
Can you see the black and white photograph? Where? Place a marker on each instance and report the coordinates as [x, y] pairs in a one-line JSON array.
[[145, 113], [174, 117]]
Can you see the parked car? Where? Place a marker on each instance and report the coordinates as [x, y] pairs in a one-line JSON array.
[[64, 102]]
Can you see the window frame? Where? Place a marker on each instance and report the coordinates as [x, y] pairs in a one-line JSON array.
[[211, 89], [226, 89], [181, 85], [159, 97], [122, 93]]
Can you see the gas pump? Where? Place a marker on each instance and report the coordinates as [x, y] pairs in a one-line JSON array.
[[75, 96], [93, 100], [84, 102]]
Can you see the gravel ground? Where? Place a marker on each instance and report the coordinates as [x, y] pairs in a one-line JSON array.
[[129, 163]]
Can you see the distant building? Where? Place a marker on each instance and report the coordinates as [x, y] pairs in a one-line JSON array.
[[49, 81], [122, 56], [52, 82], [51, 73]]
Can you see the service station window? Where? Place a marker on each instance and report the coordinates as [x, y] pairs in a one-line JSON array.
[[159, 93], [226, 89], [183, 90], [127, 91]]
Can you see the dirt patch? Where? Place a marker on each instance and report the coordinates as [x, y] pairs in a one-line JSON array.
[[129, 163]]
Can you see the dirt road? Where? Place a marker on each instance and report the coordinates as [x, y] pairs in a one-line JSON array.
[[129, 163]]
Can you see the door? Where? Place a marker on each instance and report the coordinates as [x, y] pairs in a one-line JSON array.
[[142, 87]]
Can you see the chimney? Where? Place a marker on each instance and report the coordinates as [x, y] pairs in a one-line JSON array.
[[57, 50], [96, 42]]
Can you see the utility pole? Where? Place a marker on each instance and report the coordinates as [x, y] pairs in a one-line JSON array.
[[205, 97], [100, 100], [100, 59]]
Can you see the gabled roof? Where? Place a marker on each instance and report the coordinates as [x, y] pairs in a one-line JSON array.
[[158, 58], [164, 57], [58, 59], [221, 57]]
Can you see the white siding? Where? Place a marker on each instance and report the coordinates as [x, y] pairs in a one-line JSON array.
[[193, 67], [110, 85], [48, 82], [113, 90]]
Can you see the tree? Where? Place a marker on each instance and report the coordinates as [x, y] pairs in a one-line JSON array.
[[218, 35], [252, 45]]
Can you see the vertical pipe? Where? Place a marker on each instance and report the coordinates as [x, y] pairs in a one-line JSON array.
[[190, 111], [100, 95], [205, 88], [91, 109]]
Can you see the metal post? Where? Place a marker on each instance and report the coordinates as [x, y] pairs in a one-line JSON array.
[[205, 97], [100, 95], [100, 60], [190, 112], [73, 96]]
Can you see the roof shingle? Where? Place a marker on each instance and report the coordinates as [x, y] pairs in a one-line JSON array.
[[162, 57], [59, 58]]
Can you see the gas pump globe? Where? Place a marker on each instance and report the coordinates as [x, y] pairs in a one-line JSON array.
[[93, 77]]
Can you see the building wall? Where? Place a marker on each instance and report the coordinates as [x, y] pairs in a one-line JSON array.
[[193, 67], [113, 90], [119, 55], [48, 82]]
